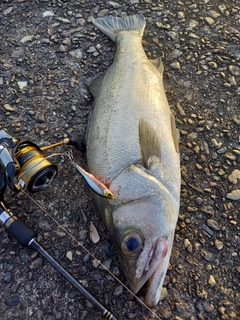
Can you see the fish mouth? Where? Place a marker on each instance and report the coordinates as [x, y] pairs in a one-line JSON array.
[[156, 279], [153, 272], [152, 265], [155, 283]]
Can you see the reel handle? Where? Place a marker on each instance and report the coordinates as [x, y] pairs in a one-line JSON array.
[[72, 140], [75, 141]]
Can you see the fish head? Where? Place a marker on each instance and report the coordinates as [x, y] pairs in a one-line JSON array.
[[143, 233]]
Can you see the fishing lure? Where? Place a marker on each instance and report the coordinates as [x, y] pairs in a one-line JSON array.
[[97, 186]]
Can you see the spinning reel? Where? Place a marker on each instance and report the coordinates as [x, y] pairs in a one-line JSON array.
[[27, 162]]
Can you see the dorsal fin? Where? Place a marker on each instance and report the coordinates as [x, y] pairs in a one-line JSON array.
[[158, 64], [93, 83], [149, 141], [175, 133]]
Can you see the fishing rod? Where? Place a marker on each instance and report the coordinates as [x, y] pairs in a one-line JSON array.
[[27, 162], [26, 236]]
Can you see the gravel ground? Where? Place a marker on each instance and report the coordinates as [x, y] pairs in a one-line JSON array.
[[47, 49]]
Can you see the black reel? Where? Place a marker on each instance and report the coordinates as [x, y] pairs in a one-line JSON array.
[[33, 170]]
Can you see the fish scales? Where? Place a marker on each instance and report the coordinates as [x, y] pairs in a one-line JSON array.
[[142, 81], [132, 147]]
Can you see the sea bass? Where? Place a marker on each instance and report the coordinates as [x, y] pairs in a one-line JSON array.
[[132, 147]]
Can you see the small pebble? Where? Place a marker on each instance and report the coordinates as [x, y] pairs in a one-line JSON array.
[[36, 264], [64, 20], [48, 14], [94, 236], [207, 209], [208, 256], [7, 11], [211, 281], [116, 271], [69, 255], [7, 277], [63, 48], [209, 20], [76, 53], [213, 224], [234, 70], [208, 230], [8, 107], [12, 301], [163, 294], [209, 267], [95, 263], [234, 195], [209, 307], [17, 53], [237, 121], [218, 244], [118, 291], [175, 65], [222, 8], [167, 313], [114, 4], [234, 177], [26, 39]]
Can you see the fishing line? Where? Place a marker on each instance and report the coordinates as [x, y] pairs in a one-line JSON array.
[[62, 154], [92, 255], [69, 156]]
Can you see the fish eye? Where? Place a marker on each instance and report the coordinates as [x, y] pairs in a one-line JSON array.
[[132, 243]]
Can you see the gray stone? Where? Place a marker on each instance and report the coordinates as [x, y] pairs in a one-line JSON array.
[[48, 13], [207, 209], [234, 195], [234, 70], [209, 21], [36, 263], [175, 65], [116, 4], [218, 244], [77, 53], [94, 236], [7, 11], [7, 277], [213, 224], [12, 301], [208, 256], [8, 107], [234, 176], [118, 291], [27, 39]]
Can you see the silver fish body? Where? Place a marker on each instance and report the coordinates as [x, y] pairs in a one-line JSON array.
[[132, 147]]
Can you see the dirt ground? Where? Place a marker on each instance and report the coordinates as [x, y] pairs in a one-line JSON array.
[[47, 49]]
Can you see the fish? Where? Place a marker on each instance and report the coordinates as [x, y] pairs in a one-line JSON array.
[[133, 149]]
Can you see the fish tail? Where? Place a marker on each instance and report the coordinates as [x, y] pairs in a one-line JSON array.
[[110, 25]]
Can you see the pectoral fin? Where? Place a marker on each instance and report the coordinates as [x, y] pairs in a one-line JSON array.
[[149, 141], [175, 133]]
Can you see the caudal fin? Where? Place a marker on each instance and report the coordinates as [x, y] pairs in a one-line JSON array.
[[111, 25]]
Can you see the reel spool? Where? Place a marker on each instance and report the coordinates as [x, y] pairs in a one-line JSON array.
[[35, 171]]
